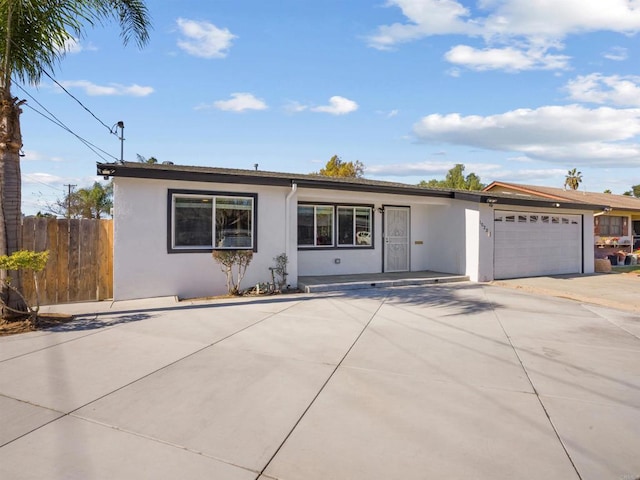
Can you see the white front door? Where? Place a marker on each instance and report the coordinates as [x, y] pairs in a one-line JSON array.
[[396, 239]]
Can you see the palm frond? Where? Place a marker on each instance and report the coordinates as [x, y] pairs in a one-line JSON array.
[[34, 34]]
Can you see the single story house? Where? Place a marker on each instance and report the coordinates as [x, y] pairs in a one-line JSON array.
[[169, 218], [616, 228]]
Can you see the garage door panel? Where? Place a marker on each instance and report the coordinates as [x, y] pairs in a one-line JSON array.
[[533, 244]]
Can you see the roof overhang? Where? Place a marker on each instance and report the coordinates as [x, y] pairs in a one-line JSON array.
[[250, 177]]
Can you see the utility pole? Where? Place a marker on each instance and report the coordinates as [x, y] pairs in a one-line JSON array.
[[69, 199], [114, 130]]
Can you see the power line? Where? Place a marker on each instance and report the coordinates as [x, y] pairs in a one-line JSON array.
[[31, 180], [88, 144], [69, 199], [56, 121], [79, 102]]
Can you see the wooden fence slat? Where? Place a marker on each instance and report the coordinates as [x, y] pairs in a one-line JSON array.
[[74, 260], [105, 260], [86, 250], [62, 271], [80, 265], [50, 283], [28, 243]]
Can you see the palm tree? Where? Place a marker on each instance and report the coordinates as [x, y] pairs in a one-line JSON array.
[[33, 39], [573, 179], [96, 201]]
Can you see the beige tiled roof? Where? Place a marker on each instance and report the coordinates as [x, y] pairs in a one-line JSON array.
[[617, 202]]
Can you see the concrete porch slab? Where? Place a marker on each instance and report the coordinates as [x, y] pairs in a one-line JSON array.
[[340, 283]]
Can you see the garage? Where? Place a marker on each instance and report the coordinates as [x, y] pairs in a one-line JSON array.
[[529, 244]]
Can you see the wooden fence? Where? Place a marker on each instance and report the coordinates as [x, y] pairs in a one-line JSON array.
[[80, 265]]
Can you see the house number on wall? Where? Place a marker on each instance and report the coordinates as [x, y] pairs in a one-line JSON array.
[[485, 228]]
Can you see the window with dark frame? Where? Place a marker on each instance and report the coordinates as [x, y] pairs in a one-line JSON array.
[[315, 225], [352, 225], [205, 221]]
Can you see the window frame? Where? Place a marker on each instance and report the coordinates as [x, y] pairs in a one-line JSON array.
[[605, 223], [172, 194], [335, 226]]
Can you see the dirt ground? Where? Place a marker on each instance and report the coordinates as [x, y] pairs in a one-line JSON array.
[[22, 326]]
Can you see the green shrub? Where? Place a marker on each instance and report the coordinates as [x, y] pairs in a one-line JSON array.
[[228, 259], [23, 260]]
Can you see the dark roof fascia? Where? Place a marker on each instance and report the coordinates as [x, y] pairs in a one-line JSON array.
[[190, 176], [499, 201], [127, 171], [374, 188], [282, 180]]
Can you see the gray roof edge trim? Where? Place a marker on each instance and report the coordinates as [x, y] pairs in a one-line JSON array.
[[127, 171], [537, 202]]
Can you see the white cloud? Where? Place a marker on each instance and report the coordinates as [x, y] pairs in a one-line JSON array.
[[508, 58], [426, 17], [337, 106], [617, 54], [43, 178], [72, 45], [32, 155], [410, 169], [239, 102], [512, 25], [295, 107], [601, 89], [602, 136], [530, 176], [204, 39], [113, 89]]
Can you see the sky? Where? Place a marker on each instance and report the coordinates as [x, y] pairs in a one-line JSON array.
[[517, 91]]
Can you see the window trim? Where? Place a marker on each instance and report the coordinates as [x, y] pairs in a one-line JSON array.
[[335, 245], [213, 194], [605, 223]]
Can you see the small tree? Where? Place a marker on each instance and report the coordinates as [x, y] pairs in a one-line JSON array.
[[24, 260], [280, 270], [455, 179], [336, 167], [228, 259], [91, 202]]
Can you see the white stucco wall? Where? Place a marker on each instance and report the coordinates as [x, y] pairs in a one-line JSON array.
[[449, 236], [588, 246], [446, 237], [312, 262], [143, 268], [480, 248]]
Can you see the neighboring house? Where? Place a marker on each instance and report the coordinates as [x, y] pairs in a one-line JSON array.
[[168, 219], [616, 227]]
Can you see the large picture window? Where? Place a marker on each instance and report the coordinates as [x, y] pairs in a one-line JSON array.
[[206, 221], [330, 226]]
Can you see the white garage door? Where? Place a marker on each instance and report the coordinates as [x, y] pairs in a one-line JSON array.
[[530, 244]]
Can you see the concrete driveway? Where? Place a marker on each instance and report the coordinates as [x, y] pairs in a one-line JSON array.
[[459, 381]]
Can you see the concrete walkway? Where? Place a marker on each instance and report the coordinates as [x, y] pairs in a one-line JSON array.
[[453, 381], [615, 290]]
